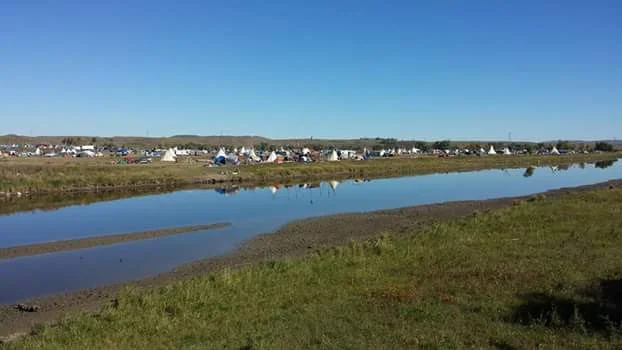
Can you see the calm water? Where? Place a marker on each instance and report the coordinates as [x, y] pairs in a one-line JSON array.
[[251, 211]]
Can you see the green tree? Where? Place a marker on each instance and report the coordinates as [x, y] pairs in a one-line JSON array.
[[603, 147], [445, 144]]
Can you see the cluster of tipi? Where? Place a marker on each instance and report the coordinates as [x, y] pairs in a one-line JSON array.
[[222, 157], [507, 152]]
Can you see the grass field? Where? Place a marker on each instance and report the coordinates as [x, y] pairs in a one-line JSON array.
[[544, 273], [37, 175]]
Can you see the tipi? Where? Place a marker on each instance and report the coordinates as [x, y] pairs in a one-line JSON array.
[[506, 151], [333, 157], [271, 158], [252, 156], [169, 156], [492, 151], [554, 150]]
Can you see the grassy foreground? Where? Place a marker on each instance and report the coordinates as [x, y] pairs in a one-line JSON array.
[[543, 273], [36, 175]]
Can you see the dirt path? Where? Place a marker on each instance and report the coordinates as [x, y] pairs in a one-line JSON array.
[[294, 239], [88, 242]]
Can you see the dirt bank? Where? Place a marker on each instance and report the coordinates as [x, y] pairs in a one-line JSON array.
[[295, 239], [88, 242]]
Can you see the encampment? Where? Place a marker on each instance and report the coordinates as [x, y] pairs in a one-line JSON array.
[[333, 157], [492, 151], [554, 151]]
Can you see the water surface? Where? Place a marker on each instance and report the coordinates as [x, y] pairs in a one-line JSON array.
[[251, 211]]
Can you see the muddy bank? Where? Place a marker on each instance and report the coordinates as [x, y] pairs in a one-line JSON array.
[[89, 242], [294, 239]]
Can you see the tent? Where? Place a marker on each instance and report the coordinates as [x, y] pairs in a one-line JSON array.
[[506, 151], [271, 158], [492, 151], [333, 184], [482, 151], [333, 156], [243, 150], [414, 150], [233, 158], [37, 152], [221, 157], [169, 156], [554, 150], [252, 156], [305, 151]]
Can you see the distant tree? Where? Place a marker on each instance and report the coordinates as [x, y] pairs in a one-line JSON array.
[[445, 144], [603, 147], [93, 140], [563, 145], [423, 146], [262, 146]]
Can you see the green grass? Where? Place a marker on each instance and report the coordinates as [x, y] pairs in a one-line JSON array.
[[36, 175], [542, 273]]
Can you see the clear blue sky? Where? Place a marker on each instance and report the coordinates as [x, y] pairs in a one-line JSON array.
[[405, 69]]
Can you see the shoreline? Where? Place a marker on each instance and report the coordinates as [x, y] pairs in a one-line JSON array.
[[51, 200], [98, 241], [68, 177], [295, 239]]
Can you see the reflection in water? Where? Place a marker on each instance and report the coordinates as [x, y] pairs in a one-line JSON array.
[[529, 171], [333, 185], [228, 191], [563, 167], [603, 164], [582, 165]]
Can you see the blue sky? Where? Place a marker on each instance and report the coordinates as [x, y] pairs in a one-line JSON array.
[[406, 69]]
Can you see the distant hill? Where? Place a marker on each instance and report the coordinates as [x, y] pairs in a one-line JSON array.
[[247, 141]]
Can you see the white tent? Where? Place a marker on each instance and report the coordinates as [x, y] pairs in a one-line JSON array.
[[333, 157], [271, 158], [221, 153], [243, 150], [37, 152], [554, 150], [169, 156], [305, 151], [382, 153], [492, 151], [482, 151], [414, 150], [506, 151], [252, 156], [333, 184]]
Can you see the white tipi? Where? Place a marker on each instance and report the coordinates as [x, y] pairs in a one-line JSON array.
[[492, 150], [271, 158], [333, 157], [554, 150], [506, 151], [169, 156], [252, 156]]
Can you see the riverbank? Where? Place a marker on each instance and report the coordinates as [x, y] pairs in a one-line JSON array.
[[31, 176], [441, 261]]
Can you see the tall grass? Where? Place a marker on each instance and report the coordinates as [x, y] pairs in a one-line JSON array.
[[540, 274]]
